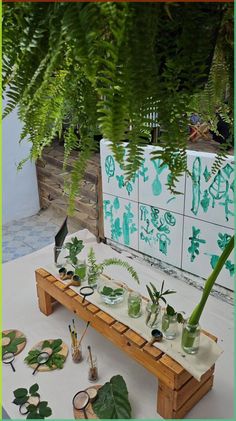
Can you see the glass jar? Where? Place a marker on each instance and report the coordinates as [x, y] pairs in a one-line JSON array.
[[92, 276], [134, 304], [92, 368], [169, 326], [60, 254], [152, 314], [190, 338], [76, 352], [80, 269]]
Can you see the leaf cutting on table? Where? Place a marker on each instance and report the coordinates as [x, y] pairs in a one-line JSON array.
[[112, 401]]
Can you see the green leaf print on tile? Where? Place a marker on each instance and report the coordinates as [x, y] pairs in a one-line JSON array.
[[223, 240], [143, 171], [193, 249], [226, 205], [196, 179], [109, 167], [156, 184], [228, 170], [116, 230], [206, 174], [230, 267], [108, 213], [128, 227], [121, 181], [170, 219], [164, 241], [116, 203], [205, 202], [219, 187]]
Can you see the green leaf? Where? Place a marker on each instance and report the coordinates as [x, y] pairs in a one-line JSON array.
[[107, 290], [34, 388], [112, 400], [46, 344], [19, 393], [56, 343], [43, 404], [34, 416], [21, 401], [45, 411], [170, 310]]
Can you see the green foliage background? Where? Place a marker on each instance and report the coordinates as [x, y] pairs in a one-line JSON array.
[[110, 68]]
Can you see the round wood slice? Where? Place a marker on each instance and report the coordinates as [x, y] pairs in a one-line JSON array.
[[44, 367], [78, 415], [19, 334]]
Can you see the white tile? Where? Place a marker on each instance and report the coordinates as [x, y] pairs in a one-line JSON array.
[[153, 189], [113, 179], [160, 234], [202, 244], [210, 198], [121, 220]]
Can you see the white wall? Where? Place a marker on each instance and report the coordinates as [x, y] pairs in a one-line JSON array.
[[20, 190]]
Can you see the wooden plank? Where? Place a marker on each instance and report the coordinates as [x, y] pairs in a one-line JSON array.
[[45, 301], [94, 309], [105, 317], [79, 299], [60, 285], [207, 386], [153, 351], [135, 338], [42, 272], [70, 292], [51, 279], [189, 389], [119, 327]]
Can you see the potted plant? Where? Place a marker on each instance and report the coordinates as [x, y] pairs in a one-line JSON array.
[[191, 330], [170, 319], [74, 247], [96, 269], [153, 307]]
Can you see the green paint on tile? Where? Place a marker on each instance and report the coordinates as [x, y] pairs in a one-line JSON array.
[[170, 219], [230, 267], [116, 203], [156, 184], [223, 240], [164, 241], [228, 169], [219, 187], [196, 179], [193, 249], [205, 202], [169, 200], [121, 181], [206, 174], [109, 167]]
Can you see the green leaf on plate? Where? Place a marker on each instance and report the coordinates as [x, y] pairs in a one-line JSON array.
[[112, 401], [34, 388], [19, 393]]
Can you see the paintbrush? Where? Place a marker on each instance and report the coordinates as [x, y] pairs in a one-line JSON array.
[[90, 356], [83, 333]]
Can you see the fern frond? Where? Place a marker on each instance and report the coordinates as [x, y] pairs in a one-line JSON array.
[[121, 263]]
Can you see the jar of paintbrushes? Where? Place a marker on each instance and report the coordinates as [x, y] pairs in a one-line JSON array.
[[76, 348], [92, 366]]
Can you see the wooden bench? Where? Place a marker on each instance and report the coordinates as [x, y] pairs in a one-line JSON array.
[[177, 391]]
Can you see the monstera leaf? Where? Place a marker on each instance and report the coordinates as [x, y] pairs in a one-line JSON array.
[[112, 401]]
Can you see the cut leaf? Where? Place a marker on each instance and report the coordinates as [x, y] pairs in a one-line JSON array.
[[19, 393], [34, 388], [112, 401]]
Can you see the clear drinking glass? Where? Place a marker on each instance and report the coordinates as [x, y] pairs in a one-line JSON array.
[[134, 304], [92, 368], [60, 254], [152, 314], [169, 326], [76, 352], [191, 338]]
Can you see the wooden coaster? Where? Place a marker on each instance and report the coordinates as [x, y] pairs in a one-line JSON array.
[[44, 367], [78, 414], [19, 334]]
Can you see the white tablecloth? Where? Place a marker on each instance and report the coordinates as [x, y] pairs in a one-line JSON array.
[[20, 310]]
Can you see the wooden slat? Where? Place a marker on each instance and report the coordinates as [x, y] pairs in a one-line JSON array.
[[92, 308], [105, 318], [42, 272], [213, 337], [135, 338], [79, 299], [119, 327], [70, 292], [194, 399], [60, 285], [153, 351], [51, 279]]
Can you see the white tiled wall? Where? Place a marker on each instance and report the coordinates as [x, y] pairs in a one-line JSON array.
[[187, 230]]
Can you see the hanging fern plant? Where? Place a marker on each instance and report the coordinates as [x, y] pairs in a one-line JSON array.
[[110, 69]]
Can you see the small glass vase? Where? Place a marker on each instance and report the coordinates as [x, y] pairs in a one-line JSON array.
[[134, 305], [190, 338], [169, 326], [92, 276], [152, 314], [80, 269], [92, 369], [76, 352], [60, 256]]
